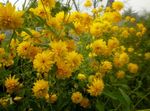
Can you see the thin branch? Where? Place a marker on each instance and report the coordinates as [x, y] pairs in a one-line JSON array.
[[75, 5]]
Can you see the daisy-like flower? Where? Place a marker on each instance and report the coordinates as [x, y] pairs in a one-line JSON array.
[[96, 87], [9, 17], [12, 84], [40, 88], [43, 61], [76, 97]]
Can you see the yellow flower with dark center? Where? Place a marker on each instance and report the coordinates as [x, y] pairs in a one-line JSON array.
[[12, 84], [23, 49], [96, 87], [40, 88], [76, 97], [43, 61], [9, 17]]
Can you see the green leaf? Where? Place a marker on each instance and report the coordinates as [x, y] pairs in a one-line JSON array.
[[144, 110], [109, 94], [27, 31], [125, 96], [99, 106]]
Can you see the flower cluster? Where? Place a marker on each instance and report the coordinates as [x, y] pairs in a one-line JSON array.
[[71, 57]]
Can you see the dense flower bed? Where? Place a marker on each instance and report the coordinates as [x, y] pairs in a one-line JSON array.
[[63, 60]]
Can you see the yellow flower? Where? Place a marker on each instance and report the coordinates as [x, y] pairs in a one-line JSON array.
[[76, 97], [53, 98], [43, 61], [132, 20], [147, 55], [4, 101], [23, 49], [40, 11], [120, 74], [2, 51], [133, 68], [9, 17], [81, 76], [63, 70], [40, 88], [116, 17], [125, 33], [127, 18], [79, 27], [14, 43], [88, 3], [59, 48], [12, 84], [130, 49], [74, 59], [96, 29], [121, 59], [106, 66], [48, 3], [113, 43], [96, 87], [33, 51], [99, 47], [2, 37], [85, 102], [117, 5]]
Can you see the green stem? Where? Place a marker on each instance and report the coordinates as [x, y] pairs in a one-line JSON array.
[[141, 99]]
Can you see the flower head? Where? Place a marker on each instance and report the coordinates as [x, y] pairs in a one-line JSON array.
[[9, 17], [12, 84], [40, 88], [133, 68], [117, 5], [76, 97], [96, 87], [43, 61]]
